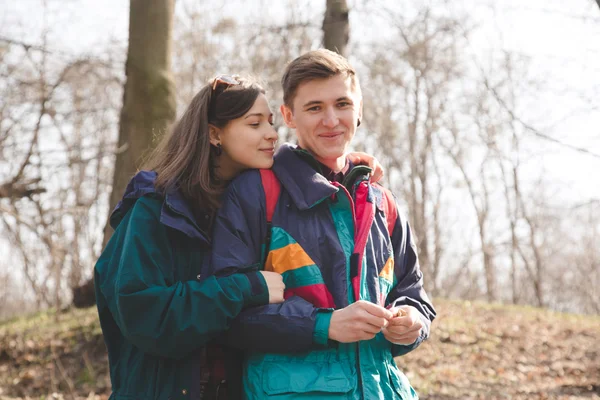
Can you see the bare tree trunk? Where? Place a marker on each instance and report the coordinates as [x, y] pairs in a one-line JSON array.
[[512, 215], [536, 272], [418, 188], [481, 209], [487, 246], [336, 26], [438, 245], [488, 262], [148, 98]]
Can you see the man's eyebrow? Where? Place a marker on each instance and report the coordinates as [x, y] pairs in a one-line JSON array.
[[315, 102], [312, 102]]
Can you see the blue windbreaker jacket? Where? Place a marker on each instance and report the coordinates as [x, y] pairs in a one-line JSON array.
[[331, 243]]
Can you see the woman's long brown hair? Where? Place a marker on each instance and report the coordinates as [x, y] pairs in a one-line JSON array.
[[184, 160]]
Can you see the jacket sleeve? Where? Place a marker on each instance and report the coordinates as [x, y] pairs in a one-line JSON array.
[[153, 311], [409, 281], [238, 241]]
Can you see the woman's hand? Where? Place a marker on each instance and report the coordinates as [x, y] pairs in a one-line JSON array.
[[360, 158], [275, 285]]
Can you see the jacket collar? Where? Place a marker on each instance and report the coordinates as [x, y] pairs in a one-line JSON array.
[[175, 212], [297, 170], [299, 173]]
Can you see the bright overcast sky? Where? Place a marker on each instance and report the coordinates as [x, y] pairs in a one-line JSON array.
[[562, 39]]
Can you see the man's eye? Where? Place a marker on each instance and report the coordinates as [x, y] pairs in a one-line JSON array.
[[315, 108], [344, 104]]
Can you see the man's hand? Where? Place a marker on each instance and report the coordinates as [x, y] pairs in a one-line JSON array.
[[357, 158], [405, 327], [359, 321]]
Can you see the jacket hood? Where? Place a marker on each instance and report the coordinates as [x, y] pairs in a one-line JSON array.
[[176, 212]]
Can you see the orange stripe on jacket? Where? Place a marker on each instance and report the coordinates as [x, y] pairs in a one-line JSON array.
[[287, 258], [387, 272]]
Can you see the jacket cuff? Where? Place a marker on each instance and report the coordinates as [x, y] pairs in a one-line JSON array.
[[258, 293], [322, 321]]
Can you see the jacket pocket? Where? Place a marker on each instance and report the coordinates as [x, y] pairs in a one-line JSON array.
[[400, 383], [313, 378]]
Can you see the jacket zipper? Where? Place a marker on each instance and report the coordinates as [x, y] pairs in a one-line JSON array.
[[351, 290]]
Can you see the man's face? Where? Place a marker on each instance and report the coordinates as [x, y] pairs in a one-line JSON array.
[[325, 115]]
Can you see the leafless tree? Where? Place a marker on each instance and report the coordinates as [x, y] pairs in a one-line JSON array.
[[57, 134], [410, 82], [450, 130]]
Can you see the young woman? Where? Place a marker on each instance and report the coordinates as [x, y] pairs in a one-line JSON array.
[[157, 310]]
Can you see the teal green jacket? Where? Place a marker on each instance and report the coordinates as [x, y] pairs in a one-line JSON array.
[[156, 309]]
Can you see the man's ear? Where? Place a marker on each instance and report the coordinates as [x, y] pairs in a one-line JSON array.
[[215, 134], [360, 111], [288, 116]]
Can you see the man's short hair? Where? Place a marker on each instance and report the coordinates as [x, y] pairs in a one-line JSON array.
[[316, 64]]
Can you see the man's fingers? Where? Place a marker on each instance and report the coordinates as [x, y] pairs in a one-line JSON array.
[[404, 326], [401, 337], [375, 310], [403, 321], [371, 329], [402, 330], [377, 322]]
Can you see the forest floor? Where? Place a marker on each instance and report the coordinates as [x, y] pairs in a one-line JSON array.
[[476, 351]]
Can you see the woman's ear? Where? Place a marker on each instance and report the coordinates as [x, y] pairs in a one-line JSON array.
[[215, 135]]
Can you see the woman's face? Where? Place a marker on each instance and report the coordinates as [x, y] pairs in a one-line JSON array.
[[248, 141]]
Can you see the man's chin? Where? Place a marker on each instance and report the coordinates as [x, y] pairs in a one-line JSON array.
[[327, 155], [332, 154]]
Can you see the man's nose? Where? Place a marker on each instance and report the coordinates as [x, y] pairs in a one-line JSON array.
[[330, 119]]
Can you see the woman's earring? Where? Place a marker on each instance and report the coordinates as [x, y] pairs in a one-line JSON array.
[[218, 149], [358, 123]]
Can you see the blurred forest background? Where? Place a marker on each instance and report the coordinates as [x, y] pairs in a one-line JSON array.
[[484, 113], [494, 152]]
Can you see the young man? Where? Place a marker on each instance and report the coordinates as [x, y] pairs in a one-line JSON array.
[[354, 289]]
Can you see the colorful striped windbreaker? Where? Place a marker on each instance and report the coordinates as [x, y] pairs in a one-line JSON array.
[[330, 241]]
